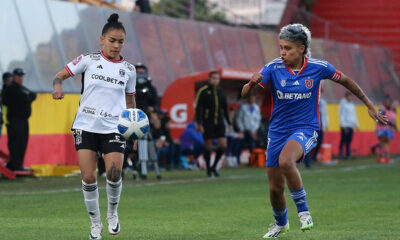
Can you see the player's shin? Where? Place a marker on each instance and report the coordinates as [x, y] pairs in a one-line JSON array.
[[113, 195], [91, 196], [299, 198]]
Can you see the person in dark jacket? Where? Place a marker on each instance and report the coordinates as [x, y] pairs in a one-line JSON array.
[[211, 114], [18, 100], [6, 80]]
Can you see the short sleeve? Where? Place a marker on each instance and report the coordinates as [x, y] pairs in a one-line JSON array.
[[331, 73], [266, 75], [131, 84], [78, 65]]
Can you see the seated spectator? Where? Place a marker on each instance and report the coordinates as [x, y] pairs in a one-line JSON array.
[[248, 121], [192, 144], [166, 146], [234, 141]]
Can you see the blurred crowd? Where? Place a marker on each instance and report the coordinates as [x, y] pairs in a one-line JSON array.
[[246, 131]]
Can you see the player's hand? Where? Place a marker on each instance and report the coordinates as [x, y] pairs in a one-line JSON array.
[[256, 78], [58, 94], [377, 116]]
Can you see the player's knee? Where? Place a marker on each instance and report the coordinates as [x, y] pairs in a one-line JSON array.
[[114, 175], [286, 163], [276, 190], [89, 179]]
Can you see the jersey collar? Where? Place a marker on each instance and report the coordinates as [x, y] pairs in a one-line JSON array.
[[301, 70], [110, 60]]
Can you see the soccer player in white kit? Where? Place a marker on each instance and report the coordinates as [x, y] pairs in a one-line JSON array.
[[108, 87]]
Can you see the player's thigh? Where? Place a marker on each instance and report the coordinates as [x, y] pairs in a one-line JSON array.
[[113, 146], [298, 145], [114, 160], [291, 153], [88, 164]]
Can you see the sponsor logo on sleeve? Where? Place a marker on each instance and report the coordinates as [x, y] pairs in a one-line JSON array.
[[77, 60]]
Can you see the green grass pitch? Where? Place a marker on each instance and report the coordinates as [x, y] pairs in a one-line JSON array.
[[357, 199]]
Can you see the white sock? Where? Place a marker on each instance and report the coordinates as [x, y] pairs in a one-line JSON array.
[[113, 196], [91, 195]]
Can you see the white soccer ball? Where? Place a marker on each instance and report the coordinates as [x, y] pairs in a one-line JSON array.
[[133, 124]]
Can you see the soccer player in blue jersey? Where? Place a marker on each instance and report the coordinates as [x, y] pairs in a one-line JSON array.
[[295, 80]]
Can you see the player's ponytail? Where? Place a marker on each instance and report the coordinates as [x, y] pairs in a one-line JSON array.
[[113, 23], [298, 34]]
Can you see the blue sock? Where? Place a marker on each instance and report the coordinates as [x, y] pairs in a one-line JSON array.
[[299, 197], [280, 216]]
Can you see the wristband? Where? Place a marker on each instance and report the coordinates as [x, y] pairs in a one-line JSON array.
[[251, 84]]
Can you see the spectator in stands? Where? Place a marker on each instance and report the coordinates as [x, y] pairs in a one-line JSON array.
[[384, 132], [142, 6], [348, 122], [18, 100], [7, 77], [324, 122], [192, 144], [234, 141], [248, 121], [147, 100]]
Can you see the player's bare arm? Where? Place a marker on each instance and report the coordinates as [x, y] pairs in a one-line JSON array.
[[254, 81], [130, 101], [57, 84], [351, 85]]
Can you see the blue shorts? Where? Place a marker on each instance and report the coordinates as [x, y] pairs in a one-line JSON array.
[[385, 133], [306, 137]]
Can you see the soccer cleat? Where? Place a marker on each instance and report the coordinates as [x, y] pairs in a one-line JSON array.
[[274, 231], [113, 225], [95, 231], [306, 222]]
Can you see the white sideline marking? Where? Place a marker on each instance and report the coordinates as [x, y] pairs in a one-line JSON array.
[[148, 184], [184, 181]]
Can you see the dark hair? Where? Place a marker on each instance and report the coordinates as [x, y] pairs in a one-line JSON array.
[[6, 75], [211, 73], [113, 23]]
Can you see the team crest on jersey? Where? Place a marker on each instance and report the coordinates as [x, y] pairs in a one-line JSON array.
[[283, 82], [122, 72], [309, 83], [77, 60]]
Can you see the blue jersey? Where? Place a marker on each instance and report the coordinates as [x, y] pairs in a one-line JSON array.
[[295, 94]]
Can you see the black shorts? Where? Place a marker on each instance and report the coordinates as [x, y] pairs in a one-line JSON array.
[[104, 143], [212, 131]]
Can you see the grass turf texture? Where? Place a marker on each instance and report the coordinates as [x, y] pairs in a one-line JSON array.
[[357, 199]]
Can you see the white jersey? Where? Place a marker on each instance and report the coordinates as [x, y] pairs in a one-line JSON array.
[[105, 83]]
